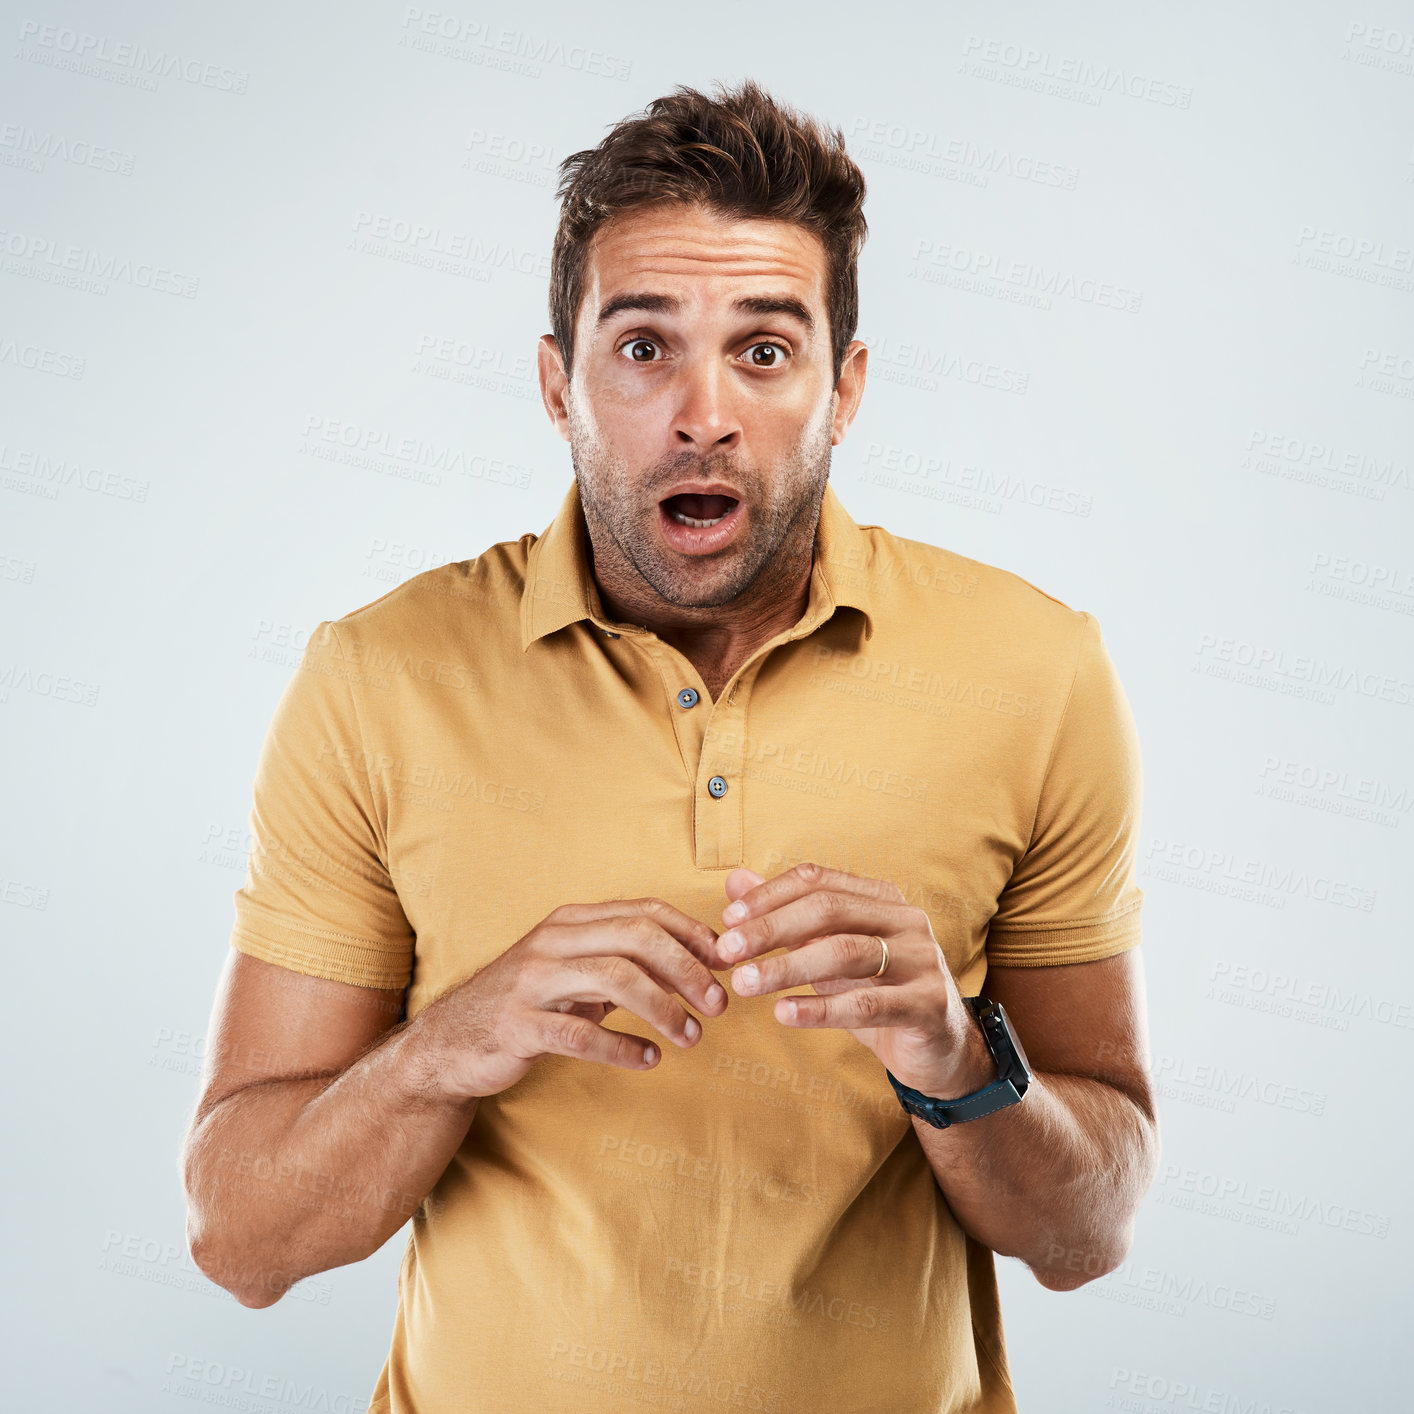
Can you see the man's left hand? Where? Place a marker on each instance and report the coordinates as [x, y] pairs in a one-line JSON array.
[[913, 1017]]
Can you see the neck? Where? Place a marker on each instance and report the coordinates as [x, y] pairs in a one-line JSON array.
[[716, 639]]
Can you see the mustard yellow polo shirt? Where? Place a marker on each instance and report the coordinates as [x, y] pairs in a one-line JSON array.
[[752, 1224]]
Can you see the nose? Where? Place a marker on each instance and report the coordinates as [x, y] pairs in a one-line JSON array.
[[705, 418]]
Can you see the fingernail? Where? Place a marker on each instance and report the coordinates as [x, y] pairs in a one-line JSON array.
[[692, 1030], [716, 994], [734, 912], [747, 977], [732, 944], [650, 1055]]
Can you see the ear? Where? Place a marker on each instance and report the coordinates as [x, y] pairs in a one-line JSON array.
[[554, 383], [849, 391]]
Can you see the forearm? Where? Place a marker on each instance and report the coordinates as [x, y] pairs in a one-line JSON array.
[[1055, 1180], [290, 1177]]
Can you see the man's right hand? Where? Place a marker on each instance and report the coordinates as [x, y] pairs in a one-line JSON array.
[[548, 993]]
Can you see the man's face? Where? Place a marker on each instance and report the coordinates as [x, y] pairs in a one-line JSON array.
[[680, 379]]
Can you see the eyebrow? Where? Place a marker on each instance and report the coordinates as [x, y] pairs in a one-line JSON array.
[[748, 304]]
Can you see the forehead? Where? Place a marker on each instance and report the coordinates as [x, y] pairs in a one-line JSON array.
[[698, 254]]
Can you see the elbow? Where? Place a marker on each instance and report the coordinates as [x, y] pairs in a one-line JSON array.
[[1069, 1268], [253, 1284], [252, 1287], [235, 1270], [1069, 1265], [1054, 1280]]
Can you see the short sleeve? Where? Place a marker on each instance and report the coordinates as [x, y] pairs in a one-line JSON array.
[[318, 896], [1074, 895]]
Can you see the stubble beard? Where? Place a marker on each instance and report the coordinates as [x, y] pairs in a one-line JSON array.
[[776, 542]]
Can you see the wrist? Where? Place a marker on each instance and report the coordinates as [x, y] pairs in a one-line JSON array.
[[977, 1066], [1009, 1074], [433, 1063], [969, 1065]]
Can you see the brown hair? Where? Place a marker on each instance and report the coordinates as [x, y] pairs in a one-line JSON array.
[[741, 154]]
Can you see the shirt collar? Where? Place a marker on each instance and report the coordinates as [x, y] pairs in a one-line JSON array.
[[560, 587]]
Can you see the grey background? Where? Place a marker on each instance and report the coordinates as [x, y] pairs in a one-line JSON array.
[[1202, 435]]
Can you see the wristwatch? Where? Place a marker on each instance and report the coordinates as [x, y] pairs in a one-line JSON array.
[[1013, 1074]]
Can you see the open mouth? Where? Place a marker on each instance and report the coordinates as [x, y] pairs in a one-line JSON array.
[[700, 512], [694, 523]]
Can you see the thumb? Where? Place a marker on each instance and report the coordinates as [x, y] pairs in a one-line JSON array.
[[741, 881]]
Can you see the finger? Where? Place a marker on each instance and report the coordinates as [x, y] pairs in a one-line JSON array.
[[565, 1034], [797, 880], [848, 956], [857, 1008], [741, 880], [693, 934], [795, 883], [584, 979], [813, 915], [645, 933]]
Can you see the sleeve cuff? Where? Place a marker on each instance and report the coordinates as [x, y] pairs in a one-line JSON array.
[[1056, 944], [326, 955]]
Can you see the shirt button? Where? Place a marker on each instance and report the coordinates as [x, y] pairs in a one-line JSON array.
[[717, 786], [687, 697]]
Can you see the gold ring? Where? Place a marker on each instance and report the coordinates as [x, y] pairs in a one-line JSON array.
[[884, 965]]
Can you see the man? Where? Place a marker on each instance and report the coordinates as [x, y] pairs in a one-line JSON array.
[[705, 729]]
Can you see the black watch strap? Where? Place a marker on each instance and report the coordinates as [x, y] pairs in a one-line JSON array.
[[1013, 1075], [941, 1113]]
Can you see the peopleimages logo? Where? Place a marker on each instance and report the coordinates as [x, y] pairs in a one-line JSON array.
[[745, 1285], [1333, 791], [1172, 1293], [1288, 994], [915, 149], [454, 37], [62, 48], [1301, 675], [61, 471], [942, 261], [22, 146], [1261, 1205], [39, 359], [215, 1382], [953, 689], [1184, 1394], [1215, 1086], [1351, 471], [1026, 65], [729, 1179], [1176, 861], [43, 258]]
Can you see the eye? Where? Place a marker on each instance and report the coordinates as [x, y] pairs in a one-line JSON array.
[[776, 352], [636, 346]]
